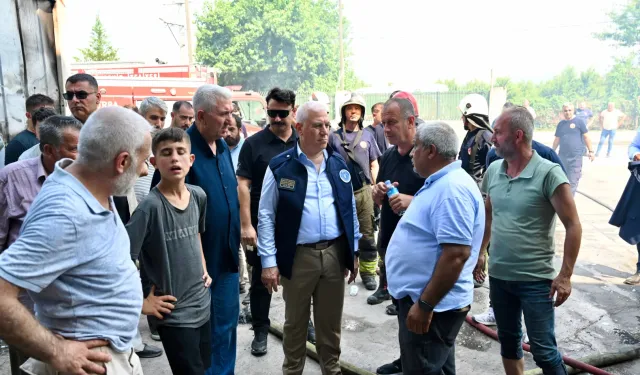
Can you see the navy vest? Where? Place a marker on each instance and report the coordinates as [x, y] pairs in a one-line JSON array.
[[627, 212], [291, 203]]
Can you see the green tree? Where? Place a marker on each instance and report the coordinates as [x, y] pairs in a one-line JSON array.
[[100, 48], [623, 87], [264, 43], [626, 30]]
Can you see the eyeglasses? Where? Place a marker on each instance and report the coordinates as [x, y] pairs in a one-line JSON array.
[[78, 94], [282, 113]]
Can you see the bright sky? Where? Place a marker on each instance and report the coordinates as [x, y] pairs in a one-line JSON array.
[[404, 42]]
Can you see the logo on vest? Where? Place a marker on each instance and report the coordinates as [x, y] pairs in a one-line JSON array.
[[572, 126], [287, 184], [364, 145], [345, 176]]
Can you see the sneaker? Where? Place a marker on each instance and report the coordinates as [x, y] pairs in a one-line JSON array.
[[155, 336], [477, 284], [488, 318], [633, 280], [369, 282], [391, 310], [311, 333], [259, 343], [393, 368], [378, 297], [149, 351], [525, 338]]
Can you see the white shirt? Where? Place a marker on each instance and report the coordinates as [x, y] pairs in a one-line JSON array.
[[610, 119]]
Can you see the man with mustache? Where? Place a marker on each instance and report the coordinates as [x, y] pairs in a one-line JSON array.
[[182, 115], [82, 95], [360, 150], [73, 225]]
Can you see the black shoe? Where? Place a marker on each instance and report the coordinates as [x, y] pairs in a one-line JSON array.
[[311, 333], [378, 297], [391, 310], [259, 343], [369, 282], [392, 368], [149, 351]]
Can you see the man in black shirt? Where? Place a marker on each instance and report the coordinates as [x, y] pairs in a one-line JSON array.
[[396, 165], [27, 138], [255, 155]]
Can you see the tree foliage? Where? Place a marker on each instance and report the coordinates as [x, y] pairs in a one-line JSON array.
[[99, 48], [626, 30], [264, 43]]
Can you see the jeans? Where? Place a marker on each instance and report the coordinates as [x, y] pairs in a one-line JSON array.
[[573, 166], [225, 308], [611, 134], [510, 300], [432, 353]]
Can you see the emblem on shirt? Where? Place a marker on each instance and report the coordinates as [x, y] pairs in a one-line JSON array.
[[572, 126], [345, 176], [364, 144], [287, 184]]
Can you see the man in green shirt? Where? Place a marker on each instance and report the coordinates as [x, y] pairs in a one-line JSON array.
[[524, 194]]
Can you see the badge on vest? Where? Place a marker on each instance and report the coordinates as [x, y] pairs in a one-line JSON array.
[[345, 176], [287, 184], [572, 126]]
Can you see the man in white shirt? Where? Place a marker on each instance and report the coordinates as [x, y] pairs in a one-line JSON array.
[[611, 118]]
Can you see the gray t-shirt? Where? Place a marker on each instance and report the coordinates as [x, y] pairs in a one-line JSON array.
[[165, 238]]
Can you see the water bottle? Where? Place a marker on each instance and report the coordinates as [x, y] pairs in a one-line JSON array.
[[391, 192], [353, 290]]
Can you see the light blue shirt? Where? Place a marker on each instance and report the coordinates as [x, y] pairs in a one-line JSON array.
[[235, 153], [448, 209], [319, 221], [73, 257], [634, 147]]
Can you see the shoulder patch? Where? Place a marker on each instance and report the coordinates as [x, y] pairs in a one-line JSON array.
[[345, 176], [287, 184]]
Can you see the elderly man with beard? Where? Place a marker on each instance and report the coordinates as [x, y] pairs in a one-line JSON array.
[[72, 224], [524, 194]]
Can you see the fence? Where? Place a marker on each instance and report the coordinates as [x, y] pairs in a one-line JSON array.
[[431, 105]]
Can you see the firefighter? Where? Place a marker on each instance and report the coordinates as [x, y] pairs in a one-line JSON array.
[[360, 150], [477, 142]]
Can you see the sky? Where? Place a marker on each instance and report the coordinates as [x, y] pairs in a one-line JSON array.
[[399, 42]]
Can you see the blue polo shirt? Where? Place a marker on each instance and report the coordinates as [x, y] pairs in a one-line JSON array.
[[448, 209], [216, 176]]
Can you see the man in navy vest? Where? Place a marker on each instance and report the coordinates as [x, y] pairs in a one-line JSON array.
[[308, 232]]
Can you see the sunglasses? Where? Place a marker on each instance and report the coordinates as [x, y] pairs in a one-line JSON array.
[[78, 94], [282, 113]]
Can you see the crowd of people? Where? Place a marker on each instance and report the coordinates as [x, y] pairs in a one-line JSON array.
[[107, 214]]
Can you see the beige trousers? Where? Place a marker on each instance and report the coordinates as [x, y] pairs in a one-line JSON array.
[[318, 274], [121, 364]]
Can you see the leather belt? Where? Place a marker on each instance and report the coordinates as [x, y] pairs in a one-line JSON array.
[[320, 245]]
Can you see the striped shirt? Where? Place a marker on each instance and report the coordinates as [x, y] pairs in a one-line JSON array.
[[20, 182]]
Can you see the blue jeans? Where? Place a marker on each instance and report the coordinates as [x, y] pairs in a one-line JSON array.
[[606, 133], [513, 298], [225, 308]]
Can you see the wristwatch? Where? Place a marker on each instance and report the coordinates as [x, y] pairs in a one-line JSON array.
[[425, 306]]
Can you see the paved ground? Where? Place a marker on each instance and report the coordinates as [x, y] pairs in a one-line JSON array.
[[602, 314]]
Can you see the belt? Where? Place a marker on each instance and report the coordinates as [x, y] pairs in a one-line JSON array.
[[321, 245]]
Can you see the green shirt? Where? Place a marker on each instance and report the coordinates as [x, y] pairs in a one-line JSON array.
[[524, 221]]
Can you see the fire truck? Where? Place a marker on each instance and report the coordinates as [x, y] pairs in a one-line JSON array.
[[130, 83]]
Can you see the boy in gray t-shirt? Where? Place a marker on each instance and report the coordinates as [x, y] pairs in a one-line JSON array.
[[165, 236]]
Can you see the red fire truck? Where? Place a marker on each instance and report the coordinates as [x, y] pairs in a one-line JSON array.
[[130, 83]]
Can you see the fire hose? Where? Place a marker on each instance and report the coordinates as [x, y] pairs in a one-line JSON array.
[[578, 365]]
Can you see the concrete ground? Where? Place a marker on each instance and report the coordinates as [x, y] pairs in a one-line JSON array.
[[602, 314]]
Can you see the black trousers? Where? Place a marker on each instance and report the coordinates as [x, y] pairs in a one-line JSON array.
[[188, 349], [432, 353], [259, 297]]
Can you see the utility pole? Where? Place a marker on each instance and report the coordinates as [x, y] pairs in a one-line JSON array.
[[187, 12], [341, 77]]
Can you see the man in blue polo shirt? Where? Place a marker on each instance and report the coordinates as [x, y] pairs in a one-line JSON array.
[[432, 254]]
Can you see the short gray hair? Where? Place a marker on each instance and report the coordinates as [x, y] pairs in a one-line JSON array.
[[152, 102], [208, 95], [108, 132], [406, 108], [440, 135], [520, 119], [52, 129], [303, 111]]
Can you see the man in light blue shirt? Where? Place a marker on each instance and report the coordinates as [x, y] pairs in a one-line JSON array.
[[432, 254], [72, 256], [308, 233]]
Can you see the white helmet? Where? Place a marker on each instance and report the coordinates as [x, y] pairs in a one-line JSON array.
[[475, 109]]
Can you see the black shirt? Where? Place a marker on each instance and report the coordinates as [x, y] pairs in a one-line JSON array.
[[395, 168], [19, 144], [253, 161]]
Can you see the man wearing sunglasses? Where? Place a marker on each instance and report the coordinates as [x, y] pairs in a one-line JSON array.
[[255, 155], [82, 95]]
